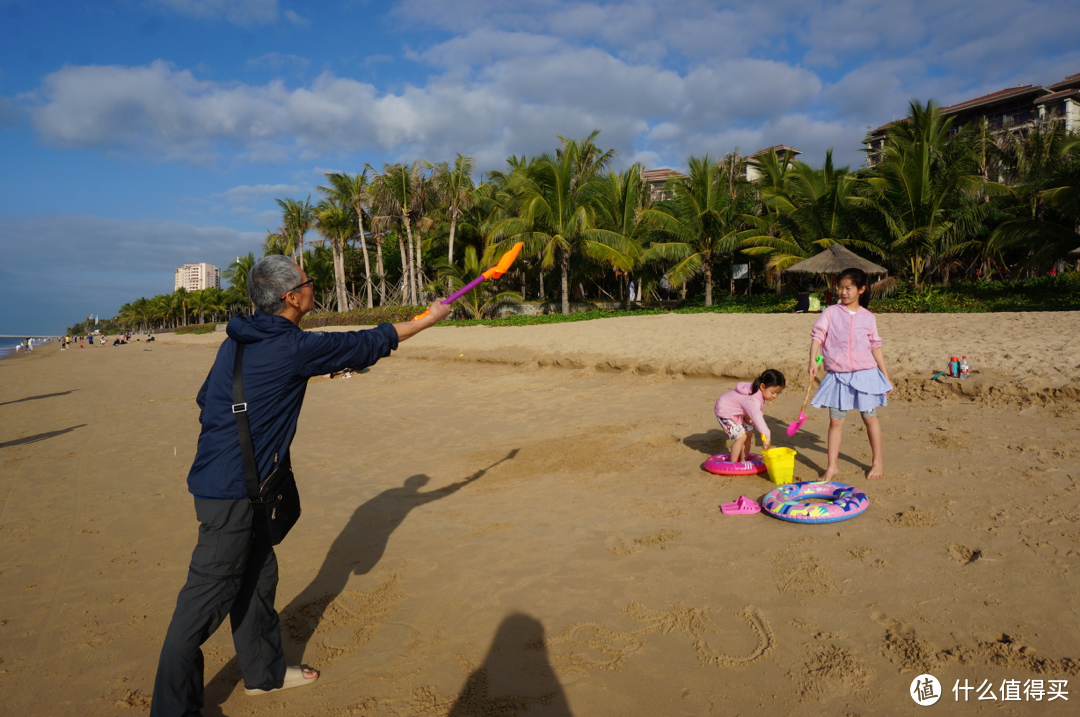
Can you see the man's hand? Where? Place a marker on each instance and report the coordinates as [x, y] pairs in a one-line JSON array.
[[436, 313]]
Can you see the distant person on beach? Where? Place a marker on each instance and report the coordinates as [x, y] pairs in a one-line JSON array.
[[233, 568], [741, 410], [846, 335]]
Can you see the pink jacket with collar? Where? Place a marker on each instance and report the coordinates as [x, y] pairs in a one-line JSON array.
[[846, 340], [740, 404]]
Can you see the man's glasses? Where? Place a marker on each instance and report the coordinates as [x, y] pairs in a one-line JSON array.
[[298, 287]]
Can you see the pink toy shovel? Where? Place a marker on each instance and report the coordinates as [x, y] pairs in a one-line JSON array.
[[798, 422]]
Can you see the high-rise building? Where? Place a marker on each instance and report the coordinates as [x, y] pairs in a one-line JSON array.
[[195, 277]]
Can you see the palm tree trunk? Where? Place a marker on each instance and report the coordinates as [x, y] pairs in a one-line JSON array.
[[450, 255], [367, 262], [382, 272], [708, 280], [564, 270], [542, 298], [301, 242], [339, 274], [412, 265], [404, 271], [419, 264]]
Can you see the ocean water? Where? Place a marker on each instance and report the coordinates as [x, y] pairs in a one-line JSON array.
[[7, 346]]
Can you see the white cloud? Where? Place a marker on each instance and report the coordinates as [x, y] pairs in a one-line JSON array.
[[295, 19], [515, 105], [240, 12]]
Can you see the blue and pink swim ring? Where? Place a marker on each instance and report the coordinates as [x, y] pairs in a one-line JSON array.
[[791, 502]]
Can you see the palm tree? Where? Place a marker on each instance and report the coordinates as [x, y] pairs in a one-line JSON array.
[[237, 275], [397, 197], [807, 210], [926, 191], [1046, 201], [337, 222], [351, 190], [320, 268], [556, 216], [703, 221], [622, 199], [297, 218], [454, 188], [278, 243]]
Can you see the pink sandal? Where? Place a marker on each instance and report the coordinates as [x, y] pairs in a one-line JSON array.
[[743, 506]]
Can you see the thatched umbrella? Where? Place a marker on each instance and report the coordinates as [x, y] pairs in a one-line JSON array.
[[834, 260]]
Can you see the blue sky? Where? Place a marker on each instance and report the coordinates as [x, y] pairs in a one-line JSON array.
[[136, 135]]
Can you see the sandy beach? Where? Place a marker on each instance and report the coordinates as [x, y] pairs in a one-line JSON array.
[[506, 521]]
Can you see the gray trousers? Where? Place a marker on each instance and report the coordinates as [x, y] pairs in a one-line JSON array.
[[232, 573]]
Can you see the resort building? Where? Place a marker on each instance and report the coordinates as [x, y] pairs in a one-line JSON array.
[[657, 178], [784, 153], [196, 277], [1013, 110]]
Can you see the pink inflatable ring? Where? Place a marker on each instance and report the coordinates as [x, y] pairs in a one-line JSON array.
[[720, 465], [791, 502]]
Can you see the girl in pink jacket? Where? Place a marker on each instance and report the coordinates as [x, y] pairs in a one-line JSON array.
[[846, 335], [740, 412]]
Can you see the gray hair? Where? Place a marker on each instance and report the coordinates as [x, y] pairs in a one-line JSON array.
[[271, 278]]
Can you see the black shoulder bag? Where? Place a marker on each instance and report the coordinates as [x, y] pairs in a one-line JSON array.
[[275, 502]]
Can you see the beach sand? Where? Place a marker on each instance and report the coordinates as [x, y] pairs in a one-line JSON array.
[[504, 521]]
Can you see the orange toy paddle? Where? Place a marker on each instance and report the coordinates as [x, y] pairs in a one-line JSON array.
[[494, 272]]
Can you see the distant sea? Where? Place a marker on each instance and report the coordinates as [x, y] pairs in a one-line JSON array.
[[7, 346]]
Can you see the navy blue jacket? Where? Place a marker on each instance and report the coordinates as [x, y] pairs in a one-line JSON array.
[[279, 358]]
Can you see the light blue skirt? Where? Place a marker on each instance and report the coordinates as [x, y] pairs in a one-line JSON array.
[[860, 390]]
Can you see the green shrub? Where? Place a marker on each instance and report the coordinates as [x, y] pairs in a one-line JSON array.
[[362, 317], [196, 329]]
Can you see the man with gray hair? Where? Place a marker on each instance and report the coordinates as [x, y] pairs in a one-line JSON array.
[[233, 569]]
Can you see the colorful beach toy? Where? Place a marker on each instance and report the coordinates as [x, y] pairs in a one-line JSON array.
[[792, 502], [721, 465]]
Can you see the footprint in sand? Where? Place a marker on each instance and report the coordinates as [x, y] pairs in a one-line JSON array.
[[345, 622], [590, 645], [903, 646], [618, 546]]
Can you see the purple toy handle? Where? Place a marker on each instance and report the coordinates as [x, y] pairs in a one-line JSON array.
[[465, 289]]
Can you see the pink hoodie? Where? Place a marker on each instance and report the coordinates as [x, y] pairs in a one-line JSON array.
[[846, 340], [740, 404]]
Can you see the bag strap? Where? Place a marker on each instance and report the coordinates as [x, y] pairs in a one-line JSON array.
[[239, 409]]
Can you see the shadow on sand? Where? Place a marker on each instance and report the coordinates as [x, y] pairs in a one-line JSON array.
[[356, 551], [804, 441], [516, 676], [716, 441], [39, 437], [38, 398]]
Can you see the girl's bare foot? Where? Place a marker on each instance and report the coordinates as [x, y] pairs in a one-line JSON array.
[[829, 474], [876, 471]]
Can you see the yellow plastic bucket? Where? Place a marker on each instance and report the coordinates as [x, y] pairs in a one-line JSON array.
[[781, 464]]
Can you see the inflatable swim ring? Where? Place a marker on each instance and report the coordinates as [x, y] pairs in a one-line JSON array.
[[720, 465], [791, 502]]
